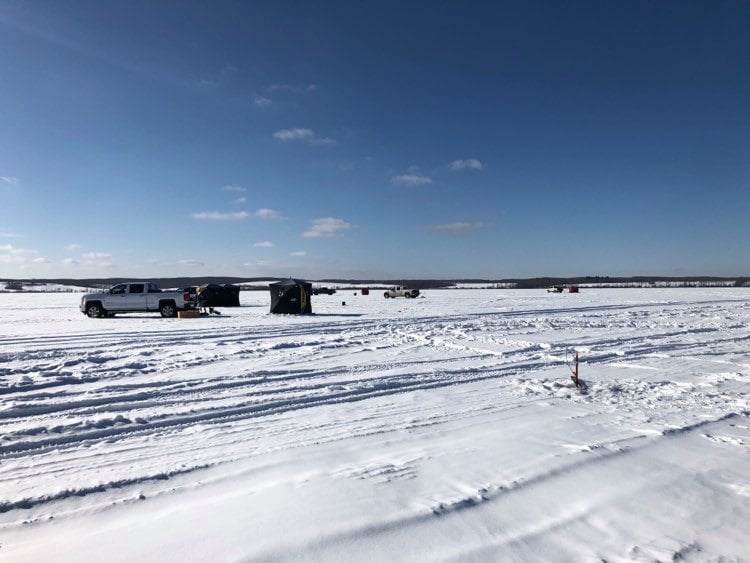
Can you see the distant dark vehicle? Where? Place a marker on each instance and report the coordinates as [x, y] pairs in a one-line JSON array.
[[323, 290], [14, 286]]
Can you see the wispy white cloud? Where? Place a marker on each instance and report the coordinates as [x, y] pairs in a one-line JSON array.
[[263, 244], [20, 257], [240, 200], [97, 256], [219, 216], [10, 254], [73, 247], [302, 134], [234, 188], [326, 227], [10, 249], [220, 76], [298, 253], [458, 228], [191, 263], [411, 180], [69, 42], [98, 259], [468, 164], [10, 235], [293, 88], [9, 180], [265, 213], [343, 165], [262, 102], [71, 262], [296, 134]]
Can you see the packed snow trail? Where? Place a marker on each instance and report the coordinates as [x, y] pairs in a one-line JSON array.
[[98, 412]]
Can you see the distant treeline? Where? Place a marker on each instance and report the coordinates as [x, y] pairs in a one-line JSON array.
[[686, 281], [538, 283], [525, 283]]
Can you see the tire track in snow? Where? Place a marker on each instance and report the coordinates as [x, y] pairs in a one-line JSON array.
[[187, 395], [490, 493], [31, 502], [102, 376]]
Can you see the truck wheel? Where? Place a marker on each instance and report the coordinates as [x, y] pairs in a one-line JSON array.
[[94, 310], [386, 295], [168, 309]]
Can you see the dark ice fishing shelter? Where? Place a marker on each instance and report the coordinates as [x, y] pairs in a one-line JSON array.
[[291, 297], [215, 295]]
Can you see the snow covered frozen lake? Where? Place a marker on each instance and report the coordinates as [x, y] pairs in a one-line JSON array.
[[439, 428]]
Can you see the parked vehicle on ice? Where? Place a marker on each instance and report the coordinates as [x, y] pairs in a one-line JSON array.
[[323, 291], [555, 289], [192, 290], [136, 297], [399, 291]]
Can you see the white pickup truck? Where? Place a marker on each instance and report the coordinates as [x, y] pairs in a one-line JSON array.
[[135, 297], [399, 291]]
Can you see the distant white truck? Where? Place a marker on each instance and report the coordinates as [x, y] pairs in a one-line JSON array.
[[136, 297], [399, 291]]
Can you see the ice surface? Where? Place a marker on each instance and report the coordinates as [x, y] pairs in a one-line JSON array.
[[438, 428]]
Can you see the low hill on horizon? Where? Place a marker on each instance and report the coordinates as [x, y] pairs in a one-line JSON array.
[[519, 283]]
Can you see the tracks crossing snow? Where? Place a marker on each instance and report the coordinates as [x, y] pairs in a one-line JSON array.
[[184, 397]]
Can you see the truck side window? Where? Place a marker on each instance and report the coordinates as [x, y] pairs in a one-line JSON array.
[[118, 289], [136, 288]]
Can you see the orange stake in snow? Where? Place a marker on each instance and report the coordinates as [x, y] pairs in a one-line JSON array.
[[574, 377]]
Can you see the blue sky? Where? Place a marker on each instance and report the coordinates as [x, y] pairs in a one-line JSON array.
[[374, 139]]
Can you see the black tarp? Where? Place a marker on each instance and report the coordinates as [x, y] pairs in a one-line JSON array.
[[232, 294], [215, 295], [291, 297]]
